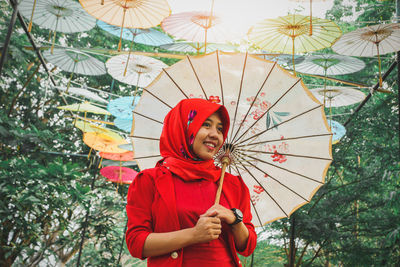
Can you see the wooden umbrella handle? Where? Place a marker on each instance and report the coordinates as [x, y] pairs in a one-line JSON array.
[[225, 162]]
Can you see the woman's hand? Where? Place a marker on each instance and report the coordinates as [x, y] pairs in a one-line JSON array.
[[226, 215], [207, 228]]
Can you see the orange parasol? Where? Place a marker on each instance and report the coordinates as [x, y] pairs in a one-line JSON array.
[[126, 156], [103, 142]]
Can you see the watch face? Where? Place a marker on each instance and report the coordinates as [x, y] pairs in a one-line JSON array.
[[239, 214]]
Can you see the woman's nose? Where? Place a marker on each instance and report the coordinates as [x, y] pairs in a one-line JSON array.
[[213, 132]]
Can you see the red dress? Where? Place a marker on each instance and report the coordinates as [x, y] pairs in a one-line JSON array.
[[152, 207], [194, 198]]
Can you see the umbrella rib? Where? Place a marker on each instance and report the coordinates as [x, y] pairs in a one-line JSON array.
[[293, 172], [287, 187], [144, 89], [276, 125], [276, 102], [284, 154], [144, 137], [254, 207], [254, 100], [146, 157], [284, 139], [265, 190], [197, 77], [220, 79], [180, 89], [147, 117], [240, 93]]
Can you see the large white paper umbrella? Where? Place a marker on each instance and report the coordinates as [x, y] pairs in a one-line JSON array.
[[336, 96], [57, 15], [279, 140], [370, 41], [134, 69]]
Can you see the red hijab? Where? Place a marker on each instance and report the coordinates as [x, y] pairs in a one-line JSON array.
[[180, 128]]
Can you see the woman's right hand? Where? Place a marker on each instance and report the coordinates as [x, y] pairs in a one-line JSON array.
[[207, 228]]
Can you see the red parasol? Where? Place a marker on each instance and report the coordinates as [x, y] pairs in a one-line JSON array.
[[118, 174]]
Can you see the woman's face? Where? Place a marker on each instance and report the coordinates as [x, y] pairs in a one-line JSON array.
[[209, 138]]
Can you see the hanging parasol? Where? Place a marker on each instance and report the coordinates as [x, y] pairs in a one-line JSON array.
[[370, 41], [201, 27], [123, 124], [82, 92], [198, 48], [338, 131], [57, 15], [102, 142], [128, 13], [85, 107], [108, 162], [149, 36], [87, 127], [336, 96], [330, 64], [116, 174], [122, 107], [126, 156], [75, 61], [278, 129], [135, 69], [290, 35]]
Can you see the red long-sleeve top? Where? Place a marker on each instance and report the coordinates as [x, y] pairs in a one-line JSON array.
[[152, 207]]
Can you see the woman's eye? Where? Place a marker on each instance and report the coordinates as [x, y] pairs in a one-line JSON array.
[[206, 124], [220, 129]]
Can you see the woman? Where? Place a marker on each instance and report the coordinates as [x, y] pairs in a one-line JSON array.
[[172, 219]]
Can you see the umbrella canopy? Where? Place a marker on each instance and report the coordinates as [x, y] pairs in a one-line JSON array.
[[85, 107], [83, 92], [291, 34], [134, 69], [338, 131], [126, 156], [123, 124], [58, 15], [104, 143], [87, 127], [122, 107], [109, 162], [128, 13], [370, 41], [330, 64], [189, 47], [142, 36], [278, 129], [128, 147], [116, 174], [75, 61], [336, 96], [200, 27]]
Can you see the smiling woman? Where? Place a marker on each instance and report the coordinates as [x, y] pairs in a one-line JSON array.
[[172, 218]]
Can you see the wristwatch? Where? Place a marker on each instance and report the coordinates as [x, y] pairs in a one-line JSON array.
[[239, 216]]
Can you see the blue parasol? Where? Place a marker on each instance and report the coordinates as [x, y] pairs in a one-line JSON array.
[[122, 107], [142, 36], [337, 129], [123, 124]]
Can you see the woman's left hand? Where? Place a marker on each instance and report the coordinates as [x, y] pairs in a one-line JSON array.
[[224, 214]]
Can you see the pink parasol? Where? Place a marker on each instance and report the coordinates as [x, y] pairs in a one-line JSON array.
[[126, 156], [117, 174]]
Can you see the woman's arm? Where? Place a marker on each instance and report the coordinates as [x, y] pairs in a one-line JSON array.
[[208, 228], [239, 230]]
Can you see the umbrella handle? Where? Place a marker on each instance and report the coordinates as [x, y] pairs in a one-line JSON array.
[[225, 162]]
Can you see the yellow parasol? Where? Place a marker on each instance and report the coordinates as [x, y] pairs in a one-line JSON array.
[[85, 107], [104, 143], [290, 34]]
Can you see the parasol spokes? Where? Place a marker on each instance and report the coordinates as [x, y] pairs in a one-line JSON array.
[[30, 22]]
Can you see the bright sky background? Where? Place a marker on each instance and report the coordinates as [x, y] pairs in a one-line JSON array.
[[251, 11]]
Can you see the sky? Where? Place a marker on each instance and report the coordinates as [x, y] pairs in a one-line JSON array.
[[251, 11]]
